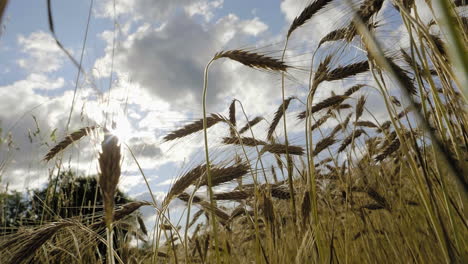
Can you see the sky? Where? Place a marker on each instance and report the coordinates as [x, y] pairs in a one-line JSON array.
[[143, 63]]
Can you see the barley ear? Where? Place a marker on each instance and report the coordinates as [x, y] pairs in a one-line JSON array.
[[109, 164]]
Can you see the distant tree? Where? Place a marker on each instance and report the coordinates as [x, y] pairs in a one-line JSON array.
[[65, 197], [71, 196], [13, 208]]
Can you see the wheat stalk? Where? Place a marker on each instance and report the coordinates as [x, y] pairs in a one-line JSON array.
[[278, 114], [109, 164], [247, 141], [368, 9], [307, 14], [403, 77], [222, 175], [280, 192], [253, 60], [347, 71], [194, 127], [73, 137], [306, 208], [394, 146], [365, 124], [35, 240], [350, 138], [353, 89], [234, 195], [185, 181], [186, 198], [360, 107], [281, 149], [218, 212], [323, 144], [250, 124], [232, 118], [328, 102], [195, 218], [409, 60], [320, 121], [334, 35]]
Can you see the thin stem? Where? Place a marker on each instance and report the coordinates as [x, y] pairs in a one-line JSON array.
[[207, 157], [288, 159], [110, 244]]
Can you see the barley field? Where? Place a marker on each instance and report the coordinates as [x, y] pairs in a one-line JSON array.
[[364, 158]]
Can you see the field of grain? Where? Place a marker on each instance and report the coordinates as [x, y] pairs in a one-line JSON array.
[[325, 182]]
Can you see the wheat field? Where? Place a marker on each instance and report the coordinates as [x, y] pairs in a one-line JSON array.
[[322, 181]]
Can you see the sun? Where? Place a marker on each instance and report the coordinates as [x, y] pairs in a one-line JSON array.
[[121, 128], [112, 117]]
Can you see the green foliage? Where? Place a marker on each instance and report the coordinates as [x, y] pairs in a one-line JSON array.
[[67, 196]]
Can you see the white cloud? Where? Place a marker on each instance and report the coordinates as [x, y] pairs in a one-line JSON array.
[[42, 53], [141, 9], [166, 182], [292, 8], [168, 61], [204, 8], [30, 118], [24, 91], [41, 82], [253, 27]]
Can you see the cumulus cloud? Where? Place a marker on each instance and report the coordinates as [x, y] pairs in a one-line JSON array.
[[291, 8], [203, 8], [30, 118], [169, 61], [42, 53], [253, 27], [145, 147], [149, 9]]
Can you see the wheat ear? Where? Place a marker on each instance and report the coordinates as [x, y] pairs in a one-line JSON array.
[[253, 60], [109, 164], [68, 140], [307, 14]]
